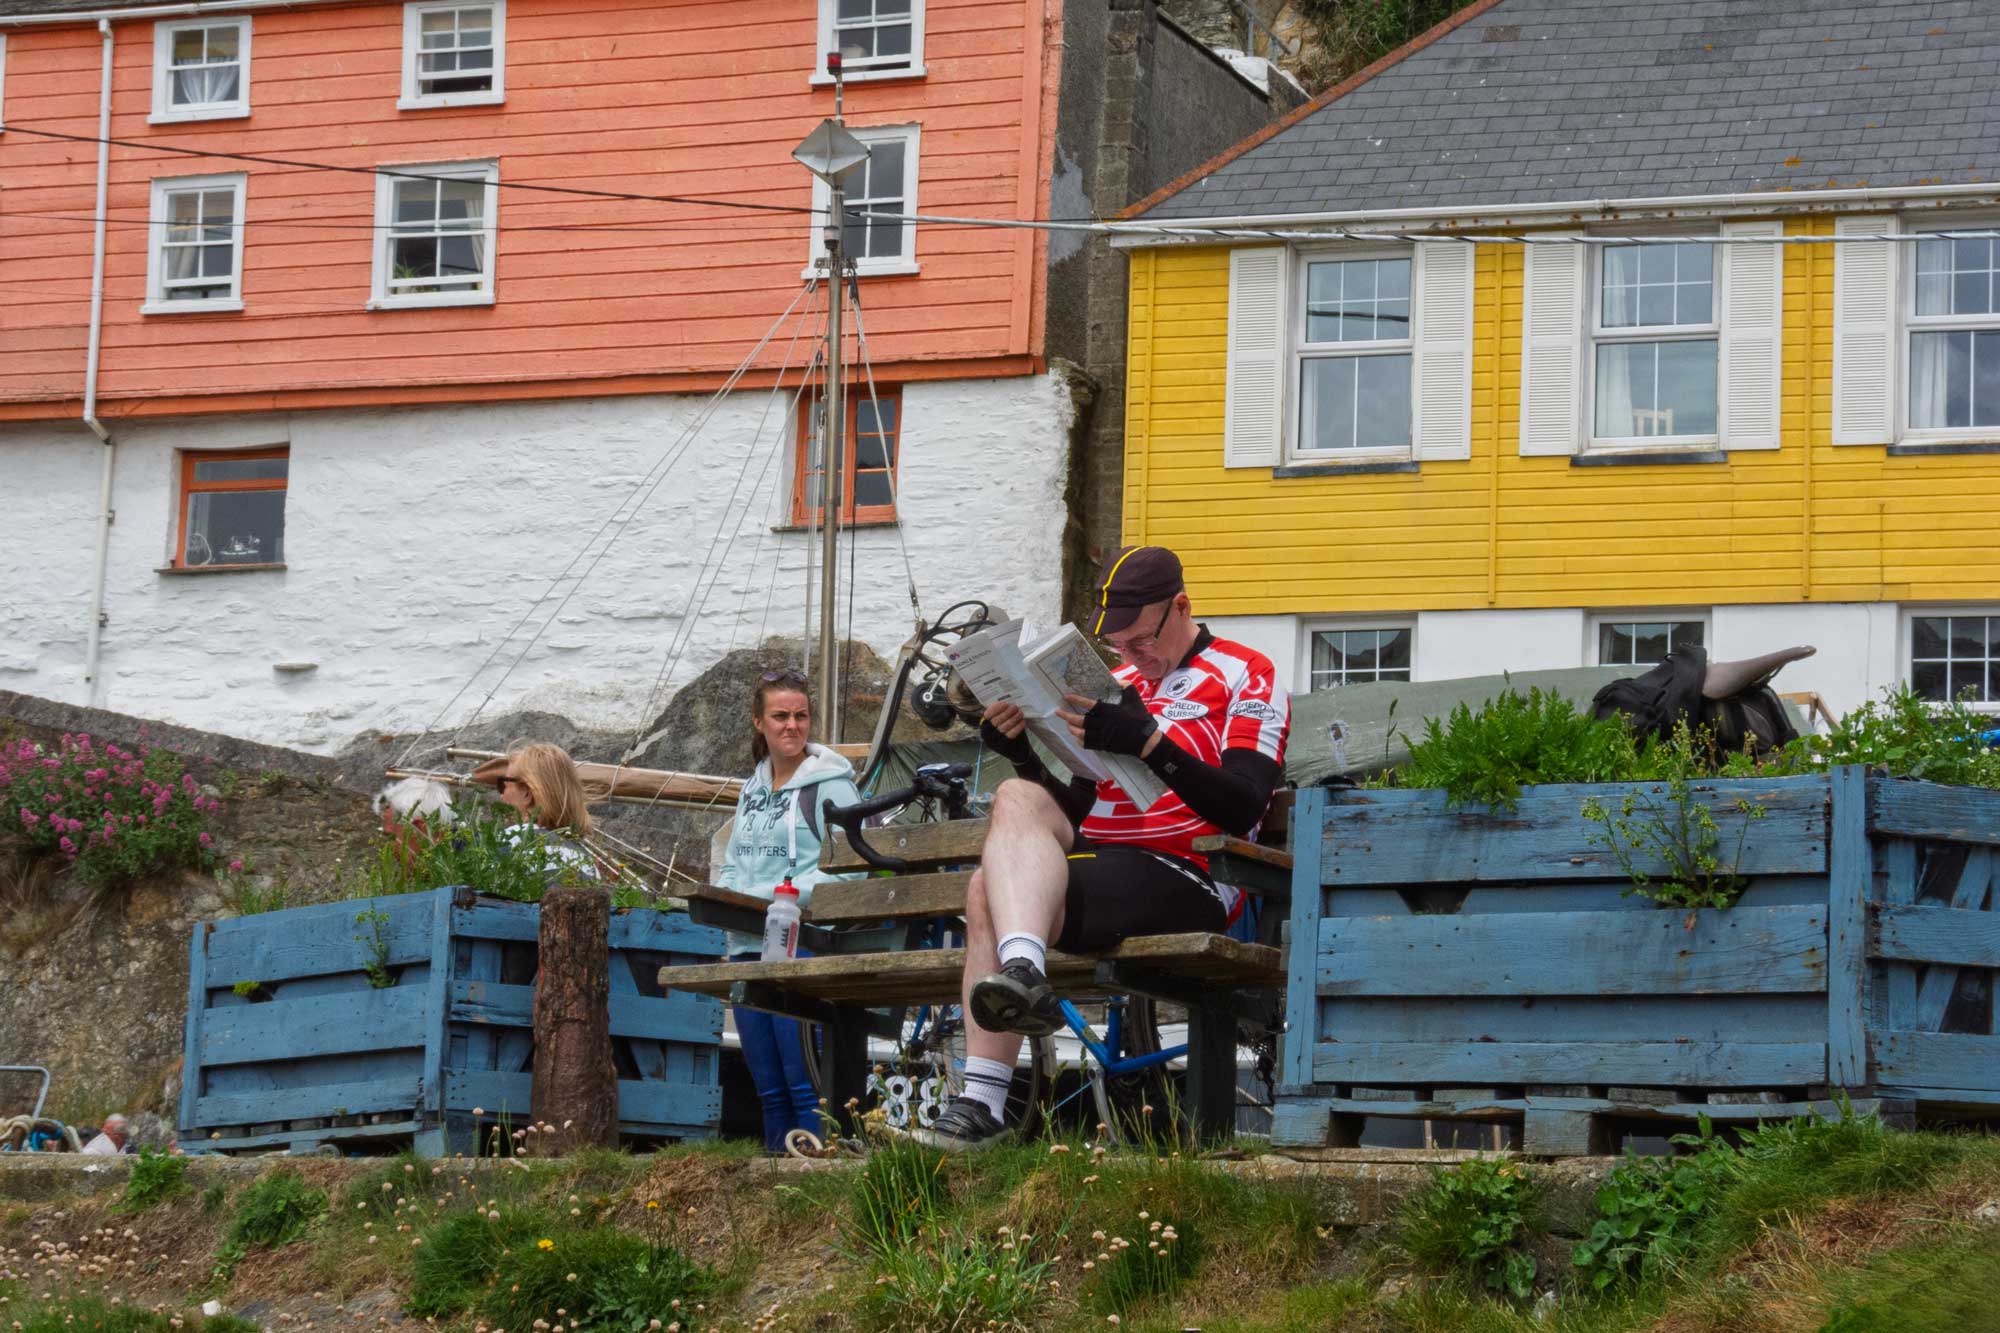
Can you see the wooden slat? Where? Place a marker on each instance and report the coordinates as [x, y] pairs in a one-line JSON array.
[[1301, 963], [317, 941], [1938, 935], [676, 1017], [642, 1104], [655, 931], [895, 898], [197, 1015], [1410, 837], [1744, 951], [1252, 867], [1849, 886], [1669, 1064], [1934, 992], [367, 1020], [715, 893], [394, 1129], [1899, 992], [1932, 810], [1505, 1108], [924, 846], [1923, 1060], [248, 1108], [933, 975], [1640, 1018], [497, 919]]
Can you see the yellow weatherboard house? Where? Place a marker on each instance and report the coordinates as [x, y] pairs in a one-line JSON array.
[[1576, 330]]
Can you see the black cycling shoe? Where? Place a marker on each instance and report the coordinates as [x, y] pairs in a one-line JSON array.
[[963, 1126], [1017, 998]]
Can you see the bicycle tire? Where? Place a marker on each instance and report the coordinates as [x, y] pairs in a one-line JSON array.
[[1132, 1108]]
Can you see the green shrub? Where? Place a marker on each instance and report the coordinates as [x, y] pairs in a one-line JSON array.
[[273, 1211], [1648, 1209], [1909, 736], [156, 1177], [955, 1282], [1668, 824], [1484, 758], [530, 1262], [1475, 1219]]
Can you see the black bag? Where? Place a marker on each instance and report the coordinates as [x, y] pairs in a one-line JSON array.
[[1671, 691]]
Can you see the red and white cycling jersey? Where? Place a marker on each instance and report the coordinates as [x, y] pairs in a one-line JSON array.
[[1224, 698]]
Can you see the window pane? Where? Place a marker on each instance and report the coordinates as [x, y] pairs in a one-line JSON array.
[[1351, 402], [871, 490], [1327, 403], [1385, 401], [890, 8], [1968, 636], [1928, 680], [855, 9], [893, 40], [1656, 286], [235, 528], [1968, 681], [1649, 643], [1358, 300], [1395, 651], [1655, 389], [222, 44], [215, 261], [1955, 379], [241, 469], [1927, 636], [414, 257], [1614, 645]]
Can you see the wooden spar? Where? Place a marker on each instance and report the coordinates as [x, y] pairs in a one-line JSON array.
[[611, 782]]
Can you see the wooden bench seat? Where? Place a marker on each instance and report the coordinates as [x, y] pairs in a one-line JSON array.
[[931, 976]]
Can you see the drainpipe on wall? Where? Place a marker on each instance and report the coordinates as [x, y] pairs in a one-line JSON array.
[[104, 511]]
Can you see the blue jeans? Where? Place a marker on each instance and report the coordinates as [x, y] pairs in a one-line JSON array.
[[772, 1050]]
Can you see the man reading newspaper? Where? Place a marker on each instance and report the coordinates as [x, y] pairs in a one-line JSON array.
[[1077, 865]]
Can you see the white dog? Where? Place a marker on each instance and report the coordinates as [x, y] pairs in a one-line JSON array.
[[417, 798]]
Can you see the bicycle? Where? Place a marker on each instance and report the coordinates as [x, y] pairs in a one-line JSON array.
[[1125, 1062]]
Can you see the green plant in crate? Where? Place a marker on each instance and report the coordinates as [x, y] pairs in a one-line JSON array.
[[1512, 741], [480, 847], [375, 941], [1667, 823], [1476, 1218]]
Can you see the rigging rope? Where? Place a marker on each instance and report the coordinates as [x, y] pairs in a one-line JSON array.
[[642, 490]]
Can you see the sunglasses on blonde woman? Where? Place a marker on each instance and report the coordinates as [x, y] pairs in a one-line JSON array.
[[786, 677]]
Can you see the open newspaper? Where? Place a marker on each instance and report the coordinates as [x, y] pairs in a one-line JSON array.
[[1004, 664]]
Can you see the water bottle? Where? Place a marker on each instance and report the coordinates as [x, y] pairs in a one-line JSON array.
[[781, 924]]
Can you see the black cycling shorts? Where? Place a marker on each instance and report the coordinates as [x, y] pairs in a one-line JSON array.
[[1117, 891]]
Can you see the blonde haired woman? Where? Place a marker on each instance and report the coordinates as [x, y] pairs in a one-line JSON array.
[[540, 782]]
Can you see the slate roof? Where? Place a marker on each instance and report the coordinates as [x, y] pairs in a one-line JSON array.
[[9, 7], [1546, 100]]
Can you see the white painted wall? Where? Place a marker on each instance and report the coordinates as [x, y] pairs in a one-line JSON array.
[[1860, 652], [417, 538]]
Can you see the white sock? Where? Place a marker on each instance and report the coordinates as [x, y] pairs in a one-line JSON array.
[[987, 1081], [1031, 947]]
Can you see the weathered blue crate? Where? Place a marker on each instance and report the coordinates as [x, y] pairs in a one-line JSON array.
[[1472, 964], [308, 1051]]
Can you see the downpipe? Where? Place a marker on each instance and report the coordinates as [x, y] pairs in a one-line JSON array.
[[105, 514]]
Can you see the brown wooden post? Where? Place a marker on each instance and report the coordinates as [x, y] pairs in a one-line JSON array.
[[576, 1083]]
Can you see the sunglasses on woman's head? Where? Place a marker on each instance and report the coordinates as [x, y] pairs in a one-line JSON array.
[[786, 677]]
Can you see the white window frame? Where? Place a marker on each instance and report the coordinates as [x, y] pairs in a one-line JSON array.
[[413, 16], [381, 298], [1908, 322], [854, 72], [3, 81], [1298, 351], [1596, 336], [1325, 625], [1649, 615], [912, 139], [1907, 639], [156, 235], [164, 110]]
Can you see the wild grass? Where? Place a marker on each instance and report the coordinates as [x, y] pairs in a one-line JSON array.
[[79, 1314], [156, 1177]]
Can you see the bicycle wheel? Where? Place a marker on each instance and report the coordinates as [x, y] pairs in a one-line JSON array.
[[1133, 1107], [929, 1070]]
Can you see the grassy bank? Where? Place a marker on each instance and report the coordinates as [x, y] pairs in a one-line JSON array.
[[1835, 1226]]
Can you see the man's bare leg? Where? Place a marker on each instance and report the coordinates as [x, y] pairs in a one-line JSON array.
[[1018, 888]]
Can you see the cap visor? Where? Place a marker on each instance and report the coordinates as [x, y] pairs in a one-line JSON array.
[[1110, 620]]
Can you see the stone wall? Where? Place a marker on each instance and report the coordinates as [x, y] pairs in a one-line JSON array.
[[417, 539]]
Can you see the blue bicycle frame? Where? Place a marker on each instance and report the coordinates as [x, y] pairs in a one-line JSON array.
[[1107, 1052]]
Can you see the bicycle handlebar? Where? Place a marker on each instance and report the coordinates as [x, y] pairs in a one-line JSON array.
[[945, 781]]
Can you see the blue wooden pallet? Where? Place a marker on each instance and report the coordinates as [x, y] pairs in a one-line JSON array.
[[1471, 964], [309, 1052]]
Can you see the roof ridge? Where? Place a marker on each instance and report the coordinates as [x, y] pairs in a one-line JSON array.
[[1325, 99]]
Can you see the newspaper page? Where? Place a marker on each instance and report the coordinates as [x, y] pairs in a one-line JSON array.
[[1002, 665]]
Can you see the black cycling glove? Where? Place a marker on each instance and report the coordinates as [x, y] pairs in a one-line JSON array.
[[1119, 728], [1014, 749]]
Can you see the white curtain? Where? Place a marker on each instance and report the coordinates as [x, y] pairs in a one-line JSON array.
[[1930, 403], [204, 85], [1614, 378]]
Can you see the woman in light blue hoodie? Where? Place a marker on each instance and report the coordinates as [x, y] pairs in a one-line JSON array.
[[777, 834]]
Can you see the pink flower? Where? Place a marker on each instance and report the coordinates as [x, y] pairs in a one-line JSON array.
[[29, 817], [205, 840], [67, 846], [235, 867]]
